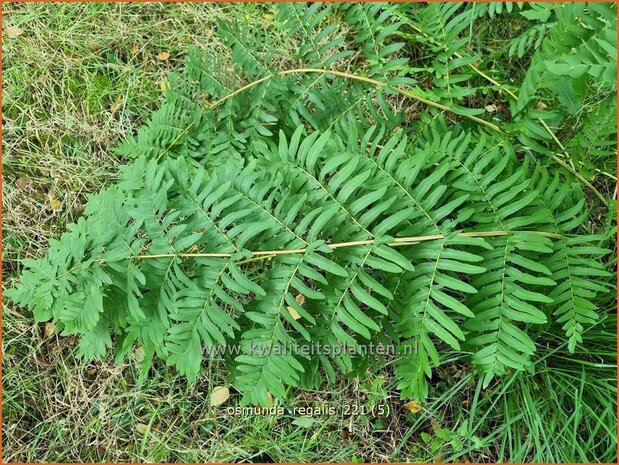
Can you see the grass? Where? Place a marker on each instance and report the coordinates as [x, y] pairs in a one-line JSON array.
[[78, 79], [76, 83]]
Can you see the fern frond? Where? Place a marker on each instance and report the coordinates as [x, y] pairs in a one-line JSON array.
[[265, 209], [511, 291], [442, 27], [495, 8], [319, 47], [588, 46], [531, 38], [595, 141], [375, 30], [579, 279]]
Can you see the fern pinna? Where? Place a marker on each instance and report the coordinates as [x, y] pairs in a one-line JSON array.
[[297, 211]]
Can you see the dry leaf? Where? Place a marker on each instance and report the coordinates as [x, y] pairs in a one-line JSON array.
[[135, 49], [300, 298], [163, 56], [117, 104], [270, 398], [22, 183], [53, 202], [219, 395], [41, 80], [141, 427], [138, 354], [490, 108], [75, 57], [50, 329], [294, 313], [413, 407], [14, 31]]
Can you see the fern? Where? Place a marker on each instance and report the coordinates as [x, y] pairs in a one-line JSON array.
[[594, 142], [531, 38], [253, 187], [587, 47], [375, 30], [580, 47], [321, 50], [442, 26]]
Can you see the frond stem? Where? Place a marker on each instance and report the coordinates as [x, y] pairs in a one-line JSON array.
[[398, 241], [355, 77]]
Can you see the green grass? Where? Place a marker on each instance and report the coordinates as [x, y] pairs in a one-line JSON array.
[[82, 77]]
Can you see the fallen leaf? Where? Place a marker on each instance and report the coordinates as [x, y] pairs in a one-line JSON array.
[[490, 108], [117, 104], [163, 56], [300, 298], [413, 407], [135, 49], [75, 57], [53, 202], [50, 329], [138, 354], [40, 195], [141, 427], [219, 395], [22, 183], [14, 31], [41, 80], [294, 313], [103, 447]]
